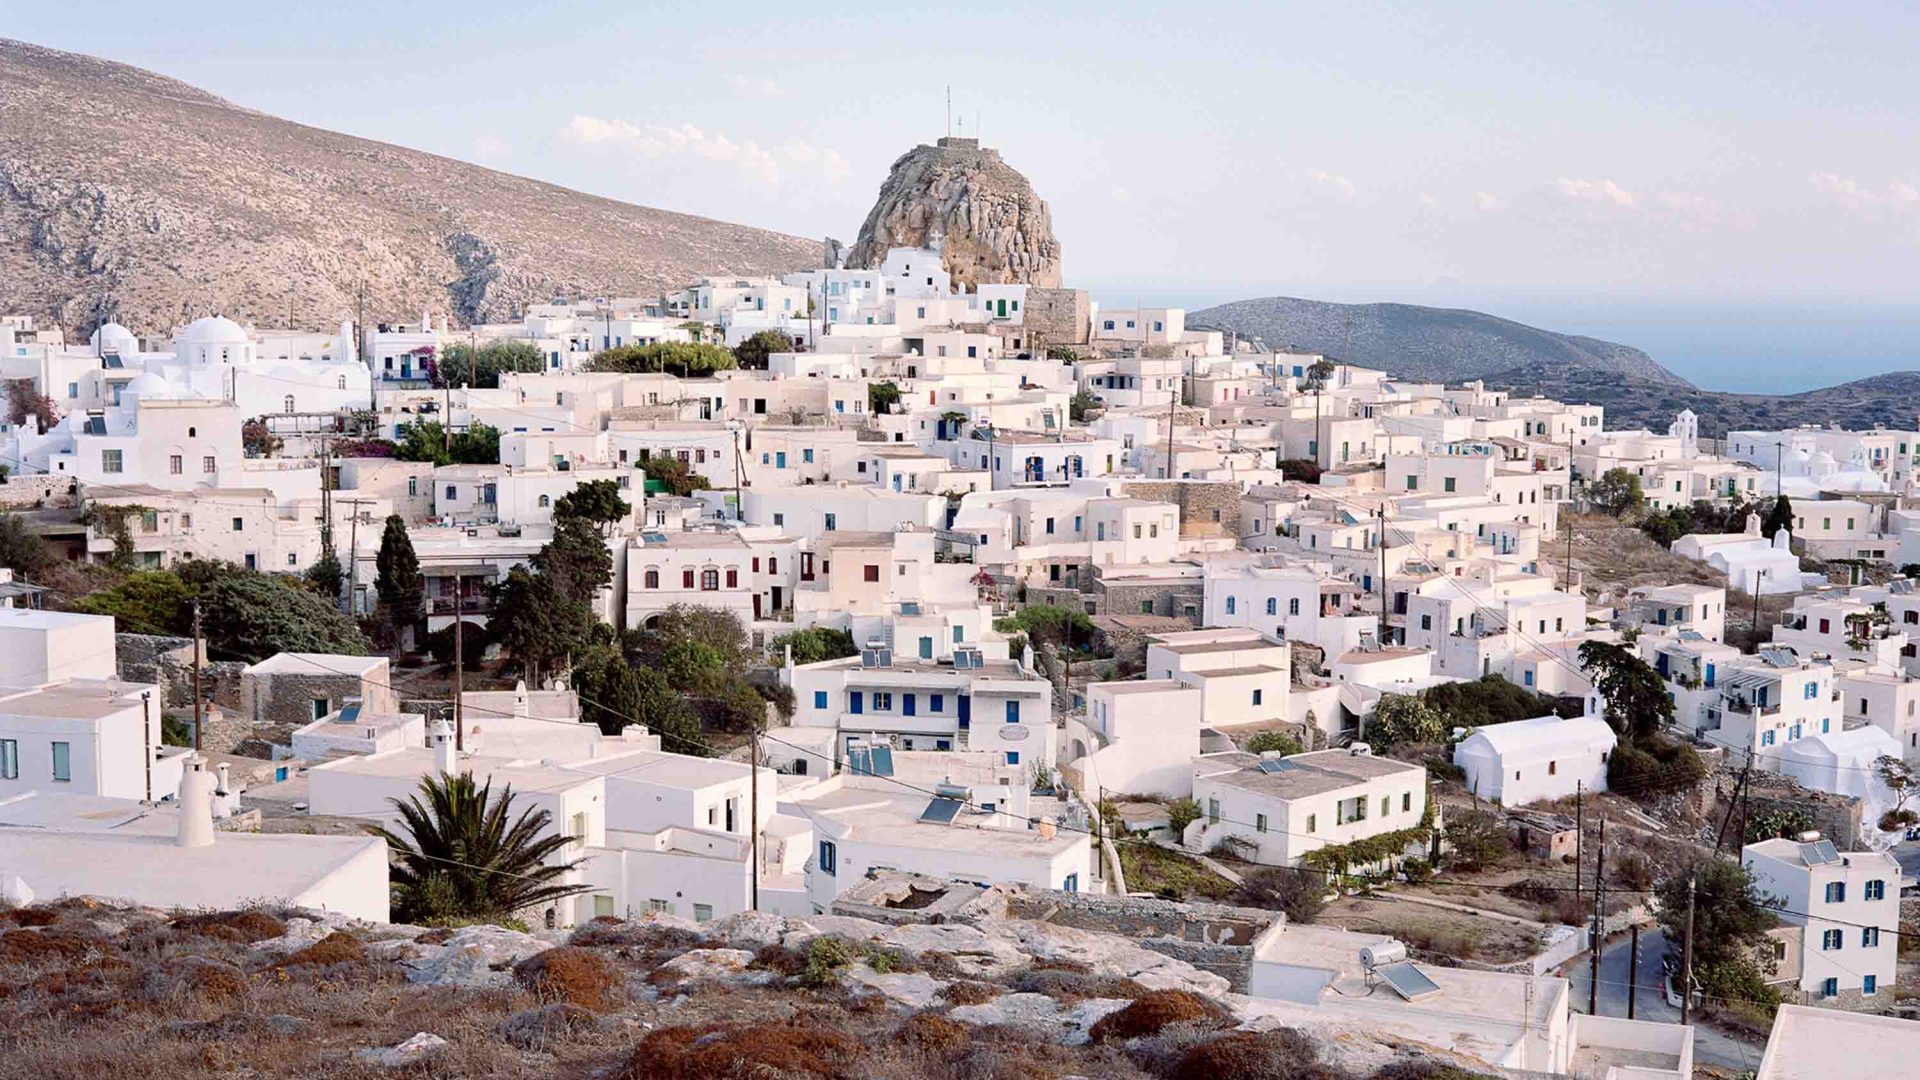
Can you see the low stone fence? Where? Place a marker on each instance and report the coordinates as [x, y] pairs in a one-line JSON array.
[[19, 492]]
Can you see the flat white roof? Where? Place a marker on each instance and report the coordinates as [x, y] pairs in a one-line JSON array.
[[880, 818], [154, 870], [669, 770], [1805, 1041], [38, 619]]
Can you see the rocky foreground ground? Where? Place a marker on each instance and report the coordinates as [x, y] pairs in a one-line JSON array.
[[91, 990]]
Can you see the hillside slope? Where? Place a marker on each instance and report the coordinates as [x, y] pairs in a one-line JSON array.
[[1892, 399], [116, 181], [1430, 344]]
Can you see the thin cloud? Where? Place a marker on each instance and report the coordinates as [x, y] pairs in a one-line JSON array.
[[660, 142], [1865, 198], [1338, 187], [1602, 192]]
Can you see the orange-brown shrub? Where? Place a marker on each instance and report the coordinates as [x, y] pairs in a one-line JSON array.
[[245, 927], [933, 1033], [803, 1047], [30, 916], [212, 980], [36, 946], [571, 974], [336, 948], [1156, 1009]]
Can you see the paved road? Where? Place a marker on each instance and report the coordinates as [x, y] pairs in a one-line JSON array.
[[1710, 1046]]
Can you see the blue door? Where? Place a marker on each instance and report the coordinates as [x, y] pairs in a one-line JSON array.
[[926, 648], [856, 702], [1013, 712], [908, 705], [966, 712]]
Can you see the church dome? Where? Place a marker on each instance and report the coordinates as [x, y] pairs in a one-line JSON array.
[[148, 387], [214, 330], [112, 337]]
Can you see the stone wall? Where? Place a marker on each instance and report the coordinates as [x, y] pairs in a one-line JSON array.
[[1208, 508], [1056, 317], [167, 662], [1213, 937], [1168, 599], [39, 489], [286, 700]]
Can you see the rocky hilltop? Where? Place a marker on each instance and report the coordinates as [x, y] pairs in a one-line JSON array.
[[173, 203], [980, 211], [1429, 344]]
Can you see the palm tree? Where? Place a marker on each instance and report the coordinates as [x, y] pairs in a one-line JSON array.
[[463, 860]]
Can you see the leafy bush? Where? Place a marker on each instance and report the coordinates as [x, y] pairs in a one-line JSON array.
[[1493, 700], [825, 957], [1301, 893], [1156, 1009], [1647, 767], [813, 645], [688, 360], [1476, 839], [1898, 819], [1274, 742], [1181, 813], [1403, 718]]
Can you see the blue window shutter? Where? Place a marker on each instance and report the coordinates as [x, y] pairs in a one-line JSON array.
[[907, 704], [855, 702], [1013, 757], [966, 711], [819, 699], [1013, 712], [939, 702]]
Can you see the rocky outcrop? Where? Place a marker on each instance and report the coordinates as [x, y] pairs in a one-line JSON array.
[[980, 212], [122, 191]]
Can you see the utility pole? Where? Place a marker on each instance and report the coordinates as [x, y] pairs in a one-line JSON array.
[[739, 479], [1757, 586], [1597, 938], [753, 817], [353, 559], [1633, 972], [1579, 831], [1686, 958], [198, 715], [1173, 407], [459, 663], [1381, 539]]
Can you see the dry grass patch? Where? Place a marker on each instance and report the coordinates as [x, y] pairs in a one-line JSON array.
[[801, 1048], [968, 992], [1280, 1054], [242, 927], [934, 1034]]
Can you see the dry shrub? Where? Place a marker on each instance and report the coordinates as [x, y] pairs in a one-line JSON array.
[[30, 916], [934, 1034], [1280, 1054], [40, 946], [1060, 963], [644, 938], [569, 973], [244, 927], [781, 959], [439, 935], [1156, 1009], [803, 1047], [941, 965], [535, 1028], [210, 980], [1072, 987], [967, 992], [338, 947]]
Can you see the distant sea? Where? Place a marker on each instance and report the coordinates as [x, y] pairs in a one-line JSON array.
[[1748, 345]]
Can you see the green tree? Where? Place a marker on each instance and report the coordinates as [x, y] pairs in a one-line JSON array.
[[257, 615], [478, 445], [1664, 527], [461, 854], [147, 602], [753, 352], [1181, 813], [474, 639], [610, 692], [1617, 492], [597, 502], [881, 397], [813, 645], [675, 475], [1476, 839], [533, 622], [716, 628], [325, 576], [397, 581], [576, 561], [1779, 517], [1296, 890], [1272, 742], [1637, 702], [464, 366], [667, 714], [1491, 699], [22, 550], [424, 440], [1403, 718], [1081, 405], [673, 357], [1731, 916], [1062, 627]]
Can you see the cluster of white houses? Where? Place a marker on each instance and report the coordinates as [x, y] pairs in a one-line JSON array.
[[920, 463]]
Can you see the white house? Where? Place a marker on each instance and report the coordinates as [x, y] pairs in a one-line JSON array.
[[969, 702], [1842, 911], [1277, 809], [1137, 737], [1841, 762], [1548, 757]]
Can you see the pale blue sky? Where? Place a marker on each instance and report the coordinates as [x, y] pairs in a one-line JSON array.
[[1441, 153]]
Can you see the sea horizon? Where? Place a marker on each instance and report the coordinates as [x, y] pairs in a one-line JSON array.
[[1738, 344]]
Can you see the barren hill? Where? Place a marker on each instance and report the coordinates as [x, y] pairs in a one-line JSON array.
[[1426, 343], [1892, 399], [118, 182]]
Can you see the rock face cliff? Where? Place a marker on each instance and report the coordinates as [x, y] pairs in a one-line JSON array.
[[981, 213], [125, 189]]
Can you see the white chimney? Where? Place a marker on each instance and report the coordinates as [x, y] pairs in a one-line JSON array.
[[196, 805], [441, 740]]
